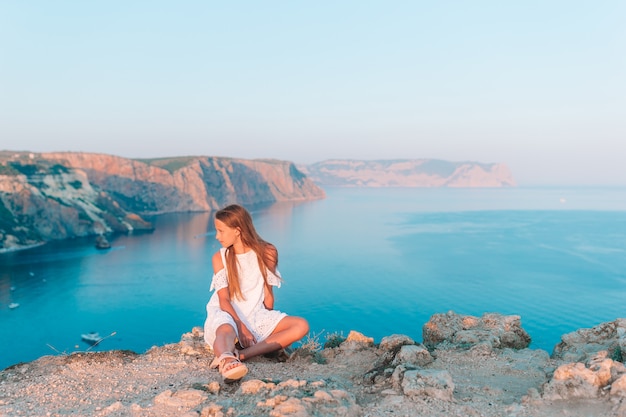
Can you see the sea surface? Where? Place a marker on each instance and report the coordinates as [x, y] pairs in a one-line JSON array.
[[379, 261]]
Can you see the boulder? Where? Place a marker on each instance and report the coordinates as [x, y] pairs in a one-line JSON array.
[[494, 329], [582, 344]]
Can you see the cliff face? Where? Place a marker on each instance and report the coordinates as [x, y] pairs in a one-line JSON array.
[[409, 173], [192, 183], [61, 195]]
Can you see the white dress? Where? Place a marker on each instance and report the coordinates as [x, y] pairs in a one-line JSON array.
[[259, 320]]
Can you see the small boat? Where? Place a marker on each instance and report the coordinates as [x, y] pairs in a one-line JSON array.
[[92, 338], [102, 242], [13, 305]]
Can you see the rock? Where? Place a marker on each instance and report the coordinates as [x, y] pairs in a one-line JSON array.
[[582, 344], [428, 383], [255, 386], [618, 388], [292, 407], [394, 341], [577, 380], [213, 387], [102, 242], [415, 355], [185, 399], [212, 410], [193, 343], [356, 341], [601, 365], [441, 328], [572, 380], [323, 403], [482, 348], [496, 330], [116, 408], [390, 346]]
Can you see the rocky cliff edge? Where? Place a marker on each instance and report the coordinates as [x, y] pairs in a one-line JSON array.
[[466, 366]]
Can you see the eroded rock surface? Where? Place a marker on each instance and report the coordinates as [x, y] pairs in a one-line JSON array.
[[398, 376]]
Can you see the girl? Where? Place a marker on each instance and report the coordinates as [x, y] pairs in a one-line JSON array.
[[242, 307]]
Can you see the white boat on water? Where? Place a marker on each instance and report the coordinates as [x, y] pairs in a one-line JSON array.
[[13, 305], [91, 338]]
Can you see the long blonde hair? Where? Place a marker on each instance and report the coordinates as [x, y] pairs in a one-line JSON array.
[[237, 217]]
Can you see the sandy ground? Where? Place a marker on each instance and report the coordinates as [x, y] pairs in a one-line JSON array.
[[175, 380]]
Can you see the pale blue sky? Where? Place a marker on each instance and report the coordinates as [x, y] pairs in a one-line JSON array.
[[538, 85]]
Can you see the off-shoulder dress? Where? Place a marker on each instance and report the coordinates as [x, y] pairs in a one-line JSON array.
[[251, 310]]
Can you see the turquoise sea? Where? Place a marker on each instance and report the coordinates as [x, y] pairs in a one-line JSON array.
[[379, 261]]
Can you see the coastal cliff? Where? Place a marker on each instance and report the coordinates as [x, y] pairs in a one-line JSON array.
[[408, 173], [60, 195], [465, 366], [184, 184]]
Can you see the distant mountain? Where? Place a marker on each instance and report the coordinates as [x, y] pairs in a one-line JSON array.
[[408, 173], [50, 196]]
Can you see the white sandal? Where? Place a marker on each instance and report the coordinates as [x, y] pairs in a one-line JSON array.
[[231, 370]]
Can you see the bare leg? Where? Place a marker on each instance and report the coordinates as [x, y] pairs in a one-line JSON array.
[[225, 342], [290, 329]]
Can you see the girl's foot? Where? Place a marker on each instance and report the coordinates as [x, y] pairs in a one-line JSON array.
[[230, 367]]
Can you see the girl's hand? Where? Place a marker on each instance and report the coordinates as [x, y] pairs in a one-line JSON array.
[[246, 338]]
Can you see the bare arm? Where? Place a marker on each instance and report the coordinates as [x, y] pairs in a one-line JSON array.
[[271, 258], [268, 300]]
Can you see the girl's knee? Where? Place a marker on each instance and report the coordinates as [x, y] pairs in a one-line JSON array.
[[225, 330], [303, 326]]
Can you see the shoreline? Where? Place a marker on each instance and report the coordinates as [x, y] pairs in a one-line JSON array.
[[21, 248]]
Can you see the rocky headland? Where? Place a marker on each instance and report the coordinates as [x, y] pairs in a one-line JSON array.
[[409, 173], [53, 196], [464, 366]]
